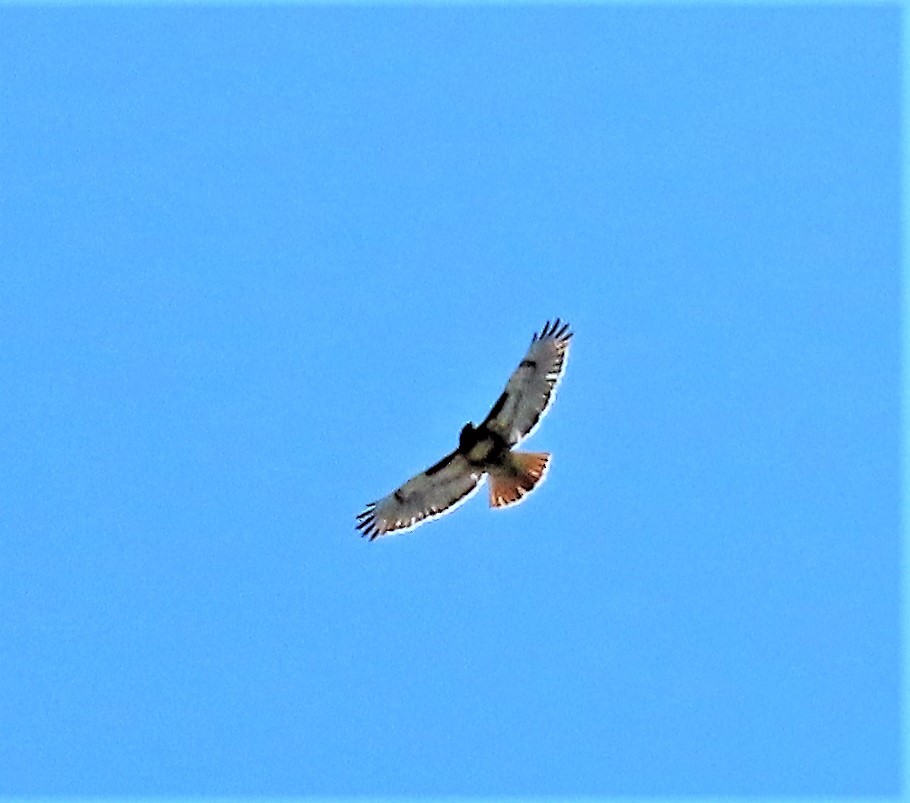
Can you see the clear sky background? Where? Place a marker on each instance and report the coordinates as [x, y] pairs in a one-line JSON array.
[[260, 265]]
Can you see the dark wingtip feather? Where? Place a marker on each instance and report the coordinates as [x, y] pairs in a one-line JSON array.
[[557, 329]]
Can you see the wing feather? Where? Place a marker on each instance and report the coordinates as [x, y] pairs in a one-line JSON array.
[[432, 493], [532, 387]]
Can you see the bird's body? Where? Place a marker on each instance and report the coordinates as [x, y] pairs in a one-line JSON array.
[[484, 450], [481, 446]]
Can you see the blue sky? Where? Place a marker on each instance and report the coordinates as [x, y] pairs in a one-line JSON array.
[[261, 265]]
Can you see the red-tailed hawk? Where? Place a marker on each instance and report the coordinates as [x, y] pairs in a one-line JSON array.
[[484, 450]]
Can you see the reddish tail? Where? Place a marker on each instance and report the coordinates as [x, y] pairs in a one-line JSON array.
[[522, 472]]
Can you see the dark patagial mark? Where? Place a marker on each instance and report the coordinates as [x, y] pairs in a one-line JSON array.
[[398, 496], [497, 409], [528, 364], [437, 467]]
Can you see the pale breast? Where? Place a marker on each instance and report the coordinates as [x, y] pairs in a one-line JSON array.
[[480, 452]]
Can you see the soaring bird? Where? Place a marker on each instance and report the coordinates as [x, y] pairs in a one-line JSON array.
[[484, 450]]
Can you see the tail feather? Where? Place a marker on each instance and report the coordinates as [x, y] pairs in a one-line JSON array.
[[522, 472]]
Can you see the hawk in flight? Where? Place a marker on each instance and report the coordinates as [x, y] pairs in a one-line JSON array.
[[485, 449]]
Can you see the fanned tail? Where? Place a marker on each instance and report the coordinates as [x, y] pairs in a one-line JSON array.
[[522, 472]]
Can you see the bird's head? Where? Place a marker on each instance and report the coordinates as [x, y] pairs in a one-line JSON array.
[[467, 438]]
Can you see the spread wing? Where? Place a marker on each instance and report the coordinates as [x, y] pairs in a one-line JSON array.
[[435, 492], [532, 387]]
